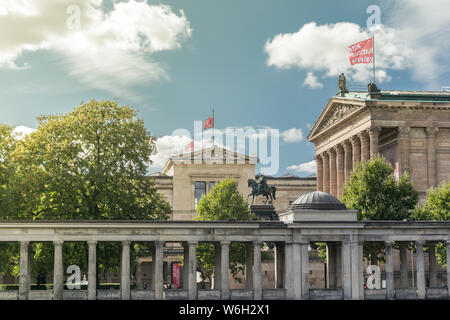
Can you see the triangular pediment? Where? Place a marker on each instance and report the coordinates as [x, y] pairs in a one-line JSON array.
[[210, 155], [335, 111]]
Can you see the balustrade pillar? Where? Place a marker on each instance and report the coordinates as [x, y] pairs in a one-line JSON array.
[[248, 266], [25, 270], [158, 278], [125, 271], [279, 264], [224, 267], [346, 270], [257, 280], [92, 270], [420, 266], [58, 271], [192, 270], [432, 265], [389, 271]]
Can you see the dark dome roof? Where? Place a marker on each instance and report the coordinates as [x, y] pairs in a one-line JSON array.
[[318, 200]]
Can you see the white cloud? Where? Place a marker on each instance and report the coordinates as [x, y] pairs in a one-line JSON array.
[[324, 48], [20, 132], [413, 36], [425, 26], [292, 135], [306, 168], [166, 147], [111, 50], [312, 82]]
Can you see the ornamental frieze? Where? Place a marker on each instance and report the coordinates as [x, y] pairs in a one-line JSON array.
[[340, 111]]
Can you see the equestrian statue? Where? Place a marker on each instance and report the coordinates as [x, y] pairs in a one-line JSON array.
[[260, 188]]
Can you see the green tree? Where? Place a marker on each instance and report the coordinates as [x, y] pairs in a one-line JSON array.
[[90, 164], [223, 202], [373, 190], [436, 207]]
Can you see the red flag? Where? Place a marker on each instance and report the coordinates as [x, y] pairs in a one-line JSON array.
[[361, 52], [189, 147], [209, 123]]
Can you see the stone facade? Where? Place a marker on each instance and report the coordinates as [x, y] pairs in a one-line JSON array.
[[410, 129]]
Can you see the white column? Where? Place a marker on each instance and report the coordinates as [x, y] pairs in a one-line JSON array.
[[356, 261], [92, 270], [58, 272], [448, 269], [224, 273], [288, 271], [248, 266], [24, 278], [125, 271], [403, 265], [346, 270], [257, 281], [296, 277], [192, 270], [304, 269], [420, 266], [432, 264], [158, 270], [389, 271], [217, 263]]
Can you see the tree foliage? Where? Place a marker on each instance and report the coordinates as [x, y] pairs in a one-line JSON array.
[[90, 164], [437, 208], [373, 190], [223, 202]]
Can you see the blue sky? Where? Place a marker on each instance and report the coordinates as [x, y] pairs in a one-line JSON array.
[[246, 59]]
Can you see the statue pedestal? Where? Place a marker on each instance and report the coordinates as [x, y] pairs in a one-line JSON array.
[[264, 211]]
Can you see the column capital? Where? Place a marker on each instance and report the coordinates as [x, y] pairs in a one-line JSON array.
[[347, 145], [257, 243], [339, 149], [374, 130], [324, 155], [58, 242], [388, 243], [24, 243], [419, 242], [404, 130], [354, 140], [126, 243], [92, 242], [192, 242], [363, 135], [331, 152], [431, 131], [225, 243], [318, 157], [159, 243]]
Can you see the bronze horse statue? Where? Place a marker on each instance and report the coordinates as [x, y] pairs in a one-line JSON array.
[[261, 189]]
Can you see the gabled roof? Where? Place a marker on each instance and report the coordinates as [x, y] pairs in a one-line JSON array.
[[210, 155]]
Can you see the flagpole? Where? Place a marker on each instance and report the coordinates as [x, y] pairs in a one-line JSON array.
[[373, 60], [213, 125]]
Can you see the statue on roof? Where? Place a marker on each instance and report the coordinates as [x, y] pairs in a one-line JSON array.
[[342, 86]]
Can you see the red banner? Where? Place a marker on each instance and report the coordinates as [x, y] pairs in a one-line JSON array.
[[176, 273], [209, 123], [361, 52]]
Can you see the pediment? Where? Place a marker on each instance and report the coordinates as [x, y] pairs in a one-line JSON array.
[[334, 112]]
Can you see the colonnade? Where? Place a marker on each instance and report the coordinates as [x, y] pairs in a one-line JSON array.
[[336, 164]]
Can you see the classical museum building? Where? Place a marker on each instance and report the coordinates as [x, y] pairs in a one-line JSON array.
[[411, 129]]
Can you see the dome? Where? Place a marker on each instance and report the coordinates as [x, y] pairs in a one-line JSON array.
[[318, 200]]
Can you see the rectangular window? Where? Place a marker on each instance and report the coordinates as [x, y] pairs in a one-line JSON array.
[[200, 190]]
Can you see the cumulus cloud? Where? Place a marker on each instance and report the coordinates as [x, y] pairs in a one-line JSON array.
[[312, 82], [20, 132], [324, 48], [292, 135], [306, 168], [413, 36], [107, 50], [166, 147]]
